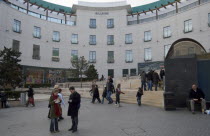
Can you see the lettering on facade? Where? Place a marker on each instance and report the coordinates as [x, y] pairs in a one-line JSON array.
[[102, 13]]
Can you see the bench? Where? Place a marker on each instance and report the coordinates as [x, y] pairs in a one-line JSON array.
[[197, 105]]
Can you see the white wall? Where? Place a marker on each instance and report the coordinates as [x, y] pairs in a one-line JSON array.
[[199, 16]]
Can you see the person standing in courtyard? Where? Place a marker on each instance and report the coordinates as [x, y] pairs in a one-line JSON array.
[[196, 95], [30, 97], [54, 111], [162, 74], [156, 79], [143, 80], [118, 92], [96, 94], [139, 95], [150, 79], [74, 105]]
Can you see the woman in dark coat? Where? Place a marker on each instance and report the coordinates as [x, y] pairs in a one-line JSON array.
[[30, 97], [96, 94]]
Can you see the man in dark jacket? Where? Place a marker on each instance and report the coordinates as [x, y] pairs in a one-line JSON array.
[[143, 80], [74, 105], [3, 100], [110, 89], [150, 79], [162, 74], [196, 95], [156, 79]]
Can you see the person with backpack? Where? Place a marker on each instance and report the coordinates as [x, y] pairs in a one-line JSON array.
[[139, 95], [118, 92]]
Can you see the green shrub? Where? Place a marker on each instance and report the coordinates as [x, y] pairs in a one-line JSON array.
[[13, 94]]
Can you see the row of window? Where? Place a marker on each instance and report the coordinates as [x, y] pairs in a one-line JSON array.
[[110, 38], [92, 54], [125, 72], [110, 23]]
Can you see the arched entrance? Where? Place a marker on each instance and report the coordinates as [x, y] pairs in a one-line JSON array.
[[181, 70]]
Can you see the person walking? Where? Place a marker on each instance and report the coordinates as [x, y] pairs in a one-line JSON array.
[[150, 79], [30, 97], [54, 111], [156, 79], [139, 95], [96, 94], [110, 87], [118, 92], [60, 95], [104, 95], [143, 80], [74, 105]]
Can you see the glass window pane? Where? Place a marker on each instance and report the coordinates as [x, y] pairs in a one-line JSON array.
[[55, 52]]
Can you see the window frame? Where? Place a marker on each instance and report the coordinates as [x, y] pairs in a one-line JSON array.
[[128, 56], [92, 56], [167, 32], [74, 37], [147, 36], [92, 40], [56, 36], [188, 26], [92, 23], [16, 26], [110, 39], [110, 23], [37, 34], [128, 38], [146, 58]]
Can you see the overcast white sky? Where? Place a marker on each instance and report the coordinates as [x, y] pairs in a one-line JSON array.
[[69, 3]]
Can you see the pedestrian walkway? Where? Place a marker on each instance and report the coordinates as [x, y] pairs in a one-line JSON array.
[[105, 120]]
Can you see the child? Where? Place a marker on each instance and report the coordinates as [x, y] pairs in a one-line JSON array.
[[54, 111], [138, 95], [118, 92], [103, 95]]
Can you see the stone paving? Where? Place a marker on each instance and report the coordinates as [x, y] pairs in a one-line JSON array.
[[105, 120]]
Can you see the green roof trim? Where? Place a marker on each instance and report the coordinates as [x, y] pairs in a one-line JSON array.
[[51, 6], [151, 6]]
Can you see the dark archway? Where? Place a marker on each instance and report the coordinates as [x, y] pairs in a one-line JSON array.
[[185, 47]]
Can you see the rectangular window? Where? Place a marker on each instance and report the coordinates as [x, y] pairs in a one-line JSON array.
[[111, 72], [147, 54], [110, 57], [209, 19], [128, 39], [110, 23], [15, 45], [92, 56], [166, 49], [56, 36], [74, 53], [128, 56], [36, 52], [167, 32], [92, 40], [17, 26], [92, 23], [125, 72], [147, 36], [188, 26], [74, 38], [133, 72], [55, 54], [110, 40], [37, 32]]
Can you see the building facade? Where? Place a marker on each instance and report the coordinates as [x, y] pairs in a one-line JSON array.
[[114, 38]]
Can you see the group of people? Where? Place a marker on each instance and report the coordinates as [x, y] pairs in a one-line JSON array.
[[151, 79], [55, 112]]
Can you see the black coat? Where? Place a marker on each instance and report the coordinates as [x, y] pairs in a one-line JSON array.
[[110, 87], [196, 95], [104, 92], [96, 93], [155, 78], [3, 97], [150, 76], [30, 92], [74, 105]]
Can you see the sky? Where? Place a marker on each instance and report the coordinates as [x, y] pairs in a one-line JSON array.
[[69, 3]]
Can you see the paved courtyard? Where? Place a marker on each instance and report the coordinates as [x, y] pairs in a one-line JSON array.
[[105, 120]]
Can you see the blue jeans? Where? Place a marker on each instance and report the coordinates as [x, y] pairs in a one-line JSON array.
[[150, 85], [139, 100], [108, 96], [143, 85], [54, 124]]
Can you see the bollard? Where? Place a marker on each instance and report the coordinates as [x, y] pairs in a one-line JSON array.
[[23, 98]]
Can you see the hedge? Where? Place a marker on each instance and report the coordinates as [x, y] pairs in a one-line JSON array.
[[13, 94], [37, 85]]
